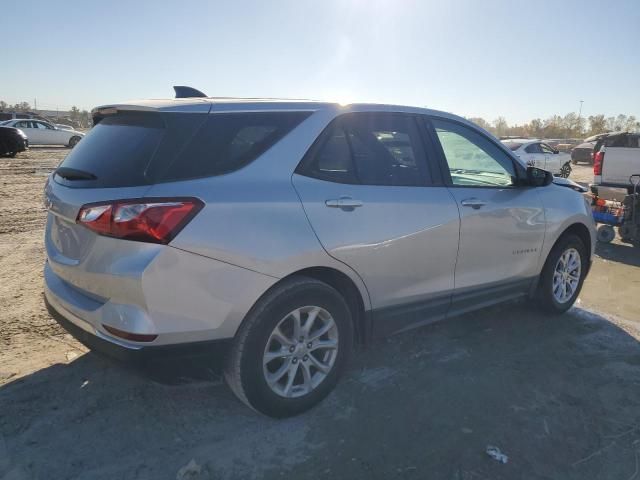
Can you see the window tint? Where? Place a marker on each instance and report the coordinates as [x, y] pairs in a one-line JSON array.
[[546, 149], [369, 149], [117, 150], [134, 148], [616, 141], [473, 159], [333, 161], [229, 141], [533, 148]]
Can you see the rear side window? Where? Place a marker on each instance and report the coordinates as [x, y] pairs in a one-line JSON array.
[[369, 149], [624, 140], [135, 148], [229, 141]]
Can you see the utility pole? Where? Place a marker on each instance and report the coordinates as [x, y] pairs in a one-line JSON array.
[[35, 104], [580, 115]]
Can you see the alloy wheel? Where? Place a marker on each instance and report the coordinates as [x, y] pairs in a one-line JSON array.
[[566, 275], [300, 352]]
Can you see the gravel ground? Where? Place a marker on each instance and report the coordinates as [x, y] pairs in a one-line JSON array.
[[559, 396]]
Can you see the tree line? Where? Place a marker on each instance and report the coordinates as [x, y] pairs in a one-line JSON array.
[[557, 126], [82, 118]]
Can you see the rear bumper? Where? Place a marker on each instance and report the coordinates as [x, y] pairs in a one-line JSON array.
[[133, 354]]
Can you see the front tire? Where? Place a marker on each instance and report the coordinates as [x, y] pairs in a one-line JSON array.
[[563, 274], [73, 141], [291, 349]]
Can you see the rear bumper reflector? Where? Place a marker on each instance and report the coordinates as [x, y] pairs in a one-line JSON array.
[[134, 337]]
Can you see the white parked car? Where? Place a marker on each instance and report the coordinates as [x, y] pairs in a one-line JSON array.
[[536, 153], [43, 133]]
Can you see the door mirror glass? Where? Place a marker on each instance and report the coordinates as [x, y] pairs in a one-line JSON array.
[[537, 177]]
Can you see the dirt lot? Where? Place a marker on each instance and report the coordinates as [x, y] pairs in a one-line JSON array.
[[560, 396]]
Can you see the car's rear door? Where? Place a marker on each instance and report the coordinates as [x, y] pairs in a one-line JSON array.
[[534, 156], [502, 224], [376, 204], [30, 129]]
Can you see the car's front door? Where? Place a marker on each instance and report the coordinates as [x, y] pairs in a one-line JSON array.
[[374, 203], [48, 133], [502, 223]]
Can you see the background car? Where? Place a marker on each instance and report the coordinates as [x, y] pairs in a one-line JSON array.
[[12, 141], [44, 133], [536, 153], [583, 153]]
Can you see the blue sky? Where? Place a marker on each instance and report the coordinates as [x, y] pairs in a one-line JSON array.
[[484, 58]]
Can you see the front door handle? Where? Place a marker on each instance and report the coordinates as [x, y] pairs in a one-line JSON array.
[[474, 203], [345, 203]]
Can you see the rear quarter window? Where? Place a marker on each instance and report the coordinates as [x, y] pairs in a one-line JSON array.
[[228, 141]]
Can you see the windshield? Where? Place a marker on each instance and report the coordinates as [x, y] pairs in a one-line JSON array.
[[513, 146]]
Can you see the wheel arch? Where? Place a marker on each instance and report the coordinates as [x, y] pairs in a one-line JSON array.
[[352, 294], [581, 231]]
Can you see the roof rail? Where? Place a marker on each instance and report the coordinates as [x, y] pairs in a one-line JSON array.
[[183, 91]]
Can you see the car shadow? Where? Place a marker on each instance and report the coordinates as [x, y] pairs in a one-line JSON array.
[[619, 252], [559, 396]]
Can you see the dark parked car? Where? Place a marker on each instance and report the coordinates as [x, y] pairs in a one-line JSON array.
[[582, 153], [12, 141]]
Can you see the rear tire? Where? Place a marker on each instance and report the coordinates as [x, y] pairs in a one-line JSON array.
[[280, 371], [565, 170], [563, 274]]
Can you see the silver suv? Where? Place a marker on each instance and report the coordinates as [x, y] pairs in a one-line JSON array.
[[288, 231]]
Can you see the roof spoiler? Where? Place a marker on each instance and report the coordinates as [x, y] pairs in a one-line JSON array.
[[183, 91]]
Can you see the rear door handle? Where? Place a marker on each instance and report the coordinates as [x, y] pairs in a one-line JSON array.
[[345, 203], [474, 203]]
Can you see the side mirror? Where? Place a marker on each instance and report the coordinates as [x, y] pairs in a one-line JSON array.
[[537, 177], [556, 151]]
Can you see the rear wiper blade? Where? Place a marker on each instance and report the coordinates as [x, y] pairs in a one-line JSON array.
[[75, 174]]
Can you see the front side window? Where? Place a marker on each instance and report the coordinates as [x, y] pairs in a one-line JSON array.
[[473, 159], [533, 148], [370, 149], [547, 149]]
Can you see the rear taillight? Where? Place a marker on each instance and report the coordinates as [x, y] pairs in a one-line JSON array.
[[146, 220], [598, 160]]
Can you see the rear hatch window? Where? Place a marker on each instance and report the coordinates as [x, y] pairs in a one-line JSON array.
[[139, 148]]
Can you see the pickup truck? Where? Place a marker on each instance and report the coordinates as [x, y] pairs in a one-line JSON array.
[[615, 158]]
